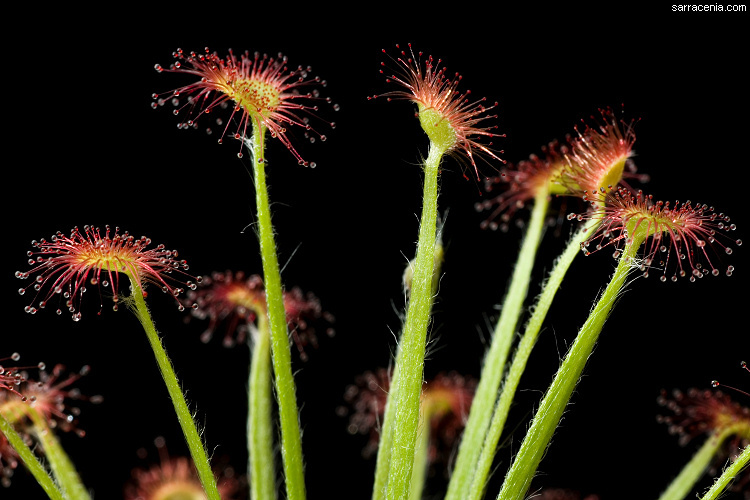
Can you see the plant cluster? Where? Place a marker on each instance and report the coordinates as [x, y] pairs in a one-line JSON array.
[[452, 423]]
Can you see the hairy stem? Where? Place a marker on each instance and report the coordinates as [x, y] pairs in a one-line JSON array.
[[184, 416], [421, 454], [694, 469], [547, 417], [726, 478], [689, 476], [521, 357], [494, 362], [414, 337], [385, 442], [29, 460], [62, 467], [291, 438], [260, 421]]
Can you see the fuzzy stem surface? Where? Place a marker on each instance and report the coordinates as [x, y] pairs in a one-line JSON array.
[[291, 438], [260, 421], [726, 478], [385, 442], [184, 416], [414, 337], [521, 357], [29, 460], [494, 362], [694, 469], [526, 462], [421, 455], [62, 467]]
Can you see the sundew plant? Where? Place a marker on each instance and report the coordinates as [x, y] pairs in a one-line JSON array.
[[398, 275]]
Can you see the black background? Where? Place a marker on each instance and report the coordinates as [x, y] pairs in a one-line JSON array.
[[85, 147]]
